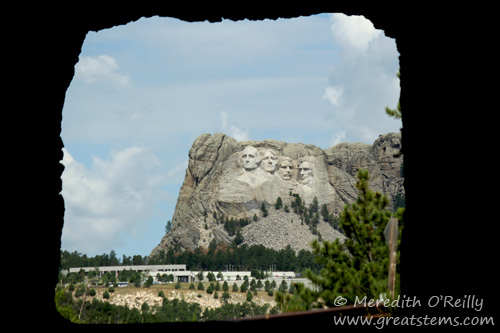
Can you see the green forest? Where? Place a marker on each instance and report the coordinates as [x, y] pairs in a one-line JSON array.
[[218, 257]]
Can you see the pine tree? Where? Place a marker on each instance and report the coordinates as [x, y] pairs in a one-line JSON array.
[[239, 238], [210, 288], [278, 203], [395, 113], [225, 296], [249, 296], [244, 286], [264, 210], [283, 287], [357, 268], [325, 213], [168, 227], [314, 206]]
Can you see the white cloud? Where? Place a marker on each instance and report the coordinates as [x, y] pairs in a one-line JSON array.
[[101, 68], [231, 130], [353, 31], [363, 82], [112, 199], [333, 94], [337, 138]]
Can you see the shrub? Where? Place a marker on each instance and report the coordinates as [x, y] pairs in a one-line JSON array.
[[80, 291], [226, 296], [210, 288], [278, 203], [264, 210]]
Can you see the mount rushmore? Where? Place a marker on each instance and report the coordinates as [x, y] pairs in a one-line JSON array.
[[234, 179]]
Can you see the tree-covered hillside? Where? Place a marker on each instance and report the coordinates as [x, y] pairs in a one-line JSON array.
[[217, 257]]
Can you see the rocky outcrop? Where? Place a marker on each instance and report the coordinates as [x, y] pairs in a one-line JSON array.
[[382, 160], [133, 300], [232, 179], [136, 299]]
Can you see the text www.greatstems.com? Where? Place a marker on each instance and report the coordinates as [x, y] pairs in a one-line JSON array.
[[381, 322]]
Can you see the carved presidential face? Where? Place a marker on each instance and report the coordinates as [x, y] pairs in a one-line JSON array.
[[305, 172], [250, 158], [269, 161], [285, 170]]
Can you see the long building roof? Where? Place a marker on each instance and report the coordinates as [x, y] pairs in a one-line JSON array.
[[151, 268]]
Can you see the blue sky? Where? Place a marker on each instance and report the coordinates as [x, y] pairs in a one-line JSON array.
[[143, 92]]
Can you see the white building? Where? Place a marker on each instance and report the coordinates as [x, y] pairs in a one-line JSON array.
[[178, 271]]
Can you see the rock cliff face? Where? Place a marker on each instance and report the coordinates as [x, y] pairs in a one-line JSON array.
[[232, 179]]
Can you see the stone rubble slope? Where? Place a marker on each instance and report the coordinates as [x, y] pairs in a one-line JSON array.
[[280, 229]]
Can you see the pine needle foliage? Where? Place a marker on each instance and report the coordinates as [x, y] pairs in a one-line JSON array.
[[353, 269], [395, 113]]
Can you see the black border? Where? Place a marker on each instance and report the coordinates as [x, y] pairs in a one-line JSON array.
[[448, 241]]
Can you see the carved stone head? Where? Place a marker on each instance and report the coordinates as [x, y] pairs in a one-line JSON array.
[[286, 167], [306, 173], [269, 161], [250, 158]]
